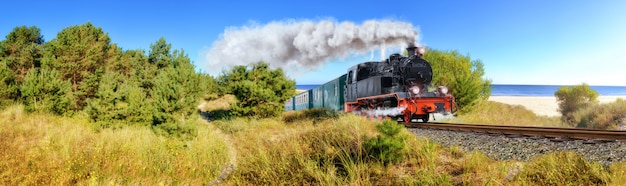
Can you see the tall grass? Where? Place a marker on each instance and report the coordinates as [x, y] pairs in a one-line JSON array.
[[49, 150], [490, 112], [38, 149]]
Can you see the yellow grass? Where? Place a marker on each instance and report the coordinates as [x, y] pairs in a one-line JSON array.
[[41, 149], [491, 112], [49, 150]]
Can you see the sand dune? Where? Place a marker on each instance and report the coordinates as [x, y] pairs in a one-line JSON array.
[[546, 106]]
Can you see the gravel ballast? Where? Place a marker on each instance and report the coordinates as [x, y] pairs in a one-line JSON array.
[[501, 147]]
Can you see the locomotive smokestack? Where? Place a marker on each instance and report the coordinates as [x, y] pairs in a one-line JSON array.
[[411, 50]]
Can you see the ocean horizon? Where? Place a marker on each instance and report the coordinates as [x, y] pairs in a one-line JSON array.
[[528, 90]]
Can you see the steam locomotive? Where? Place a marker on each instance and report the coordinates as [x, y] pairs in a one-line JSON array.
[[395, 88]]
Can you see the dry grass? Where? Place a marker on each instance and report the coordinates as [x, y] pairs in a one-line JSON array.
[[218, 103], [49, 150], [490, 112]]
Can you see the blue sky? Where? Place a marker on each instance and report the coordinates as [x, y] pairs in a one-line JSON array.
[[557, 42]]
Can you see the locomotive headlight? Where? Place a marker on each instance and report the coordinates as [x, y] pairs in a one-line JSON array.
[[443, 90], [415, 90]]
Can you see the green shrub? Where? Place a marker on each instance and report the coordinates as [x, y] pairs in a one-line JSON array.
[[572, 98], [260, 91], [602, 116], [390, 146], [462, 75]]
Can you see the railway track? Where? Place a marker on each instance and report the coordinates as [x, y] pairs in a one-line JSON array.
[[527, 131]]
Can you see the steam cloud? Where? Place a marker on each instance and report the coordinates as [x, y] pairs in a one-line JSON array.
[[294, 44]]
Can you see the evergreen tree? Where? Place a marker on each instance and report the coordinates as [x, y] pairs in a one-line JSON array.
[[8, 88], [79, 53], [176, 93], [261, 91], [106, 108], [22, 50], [160, 54], [44, 91]]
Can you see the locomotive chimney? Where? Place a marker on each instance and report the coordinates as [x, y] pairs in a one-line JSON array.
[[411, 50]]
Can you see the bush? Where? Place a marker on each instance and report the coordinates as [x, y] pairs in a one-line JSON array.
[[572, 98], [260, 91], [602, 116], [390, 146]]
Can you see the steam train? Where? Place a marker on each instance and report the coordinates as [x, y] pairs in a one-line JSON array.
[[395, 88]]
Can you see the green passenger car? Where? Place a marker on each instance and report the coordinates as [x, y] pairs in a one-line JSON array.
[[330, 94]]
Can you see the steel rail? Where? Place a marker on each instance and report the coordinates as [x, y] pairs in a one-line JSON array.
[[543, 132]]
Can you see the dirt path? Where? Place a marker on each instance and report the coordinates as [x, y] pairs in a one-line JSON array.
[[231, 165]]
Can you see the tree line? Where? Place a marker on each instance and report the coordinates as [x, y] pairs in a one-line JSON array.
[[82, 73]]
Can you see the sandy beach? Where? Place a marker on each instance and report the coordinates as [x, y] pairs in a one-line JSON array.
[[546, 106]]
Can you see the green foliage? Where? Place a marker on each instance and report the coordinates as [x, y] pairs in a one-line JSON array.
[[573, 98], [390, 146], [9, 89], [176, 93], [119, 102], [160, 54], [22, 50], [463, 76], [79, 53], [602, 116], [260, 91], [44, 91]]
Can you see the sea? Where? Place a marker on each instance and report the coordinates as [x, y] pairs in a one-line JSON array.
[[530, 90]]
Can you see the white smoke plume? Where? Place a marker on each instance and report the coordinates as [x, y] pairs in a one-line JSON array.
[[295, 44]]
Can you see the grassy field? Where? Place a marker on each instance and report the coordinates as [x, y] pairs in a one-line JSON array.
[[41, 149]]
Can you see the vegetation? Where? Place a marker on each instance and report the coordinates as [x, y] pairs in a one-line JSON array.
[[81, 73], [261, 91], [390, 145], [463, 76], [62, 150], [317, 114], [507, 115], [44, 149], [602, 116], [572, 98]]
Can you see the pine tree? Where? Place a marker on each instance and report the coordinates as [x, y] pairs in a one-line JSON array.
[[44, 91], [160, 54], [9, 89], [79, 53], [176, 93], [22, 50]]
